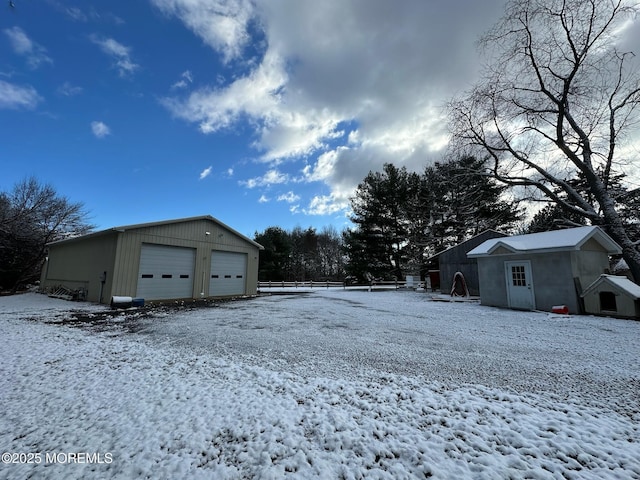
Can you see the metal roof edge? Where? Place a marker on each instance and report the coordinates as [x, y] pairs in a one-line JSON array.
[[190, 219], [124, 228], [82, 237]]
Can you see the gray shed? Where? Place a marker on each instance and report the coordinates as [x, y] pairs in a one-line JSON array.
[[542, 270], [454, 259], [613, 295], [193, 257]]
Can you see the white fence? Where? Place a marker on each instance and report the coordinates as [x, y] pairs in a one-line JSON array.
[[310, 284], [374, 285]]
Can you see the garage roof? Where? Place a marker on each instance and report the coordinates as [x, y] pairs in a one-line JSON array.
[[557, 240], [124, 228]]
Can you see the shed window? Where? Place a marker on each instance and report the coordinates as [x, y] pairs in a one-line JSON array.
[[227, 276], [147, 275], [167, 275], [608, 301], [238, 276], [517, 276], [215, 276], [184, 276]]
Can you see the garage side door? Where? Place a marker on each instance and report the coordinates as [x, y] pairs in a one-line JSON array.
[[228, 273], [165, 272]]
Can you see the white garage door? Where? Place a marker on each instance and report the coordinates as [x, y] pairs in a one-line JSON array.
[[228, 273], [165, 272]]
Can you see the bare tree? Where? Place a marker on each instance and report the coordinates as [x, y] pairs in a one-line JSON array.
[[558, 98], [32, 215]]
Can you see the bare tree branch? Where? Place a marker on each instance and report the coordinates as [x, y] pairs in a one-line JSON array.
[[557, 91]]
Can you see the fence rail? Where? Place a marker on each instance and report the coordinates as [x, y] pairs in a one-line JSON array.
[[310, 284]]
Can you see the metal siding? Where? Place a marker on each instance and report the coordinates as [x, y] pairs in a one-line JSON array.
[[79, 264], [165, 272], [190, 234], [228, 273]]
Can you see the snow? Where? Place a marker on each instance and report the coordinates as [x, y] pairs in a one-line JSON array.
[[570, 238], [325, 384], [626, 285]]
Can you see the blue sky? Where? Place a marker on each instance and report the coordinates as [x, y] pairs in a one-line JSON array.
[[259, 113]]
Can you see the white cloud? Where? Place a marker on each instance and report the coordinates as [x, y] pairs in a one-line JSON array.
[[76, 14], [216, 109], [270, 178], [288, 197], [186, 79], [69, 90], [222, 24], [341, 87], [16, 97], [206, 172], [87, 14], [325, 205], [99, 129], [263, 199], [35, 54], [119, 53]]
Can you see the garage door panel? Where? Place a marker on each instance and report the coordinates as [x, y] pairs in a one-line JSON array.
[[165, 272], [228, 273]]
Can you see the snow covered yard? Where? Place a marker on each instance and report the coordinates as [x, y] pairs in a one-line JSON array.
[[332, 384]]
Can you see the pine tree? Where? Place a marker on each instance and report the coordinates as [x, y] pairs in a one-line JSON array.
[[465, 201], [381, 225], [402, 217]]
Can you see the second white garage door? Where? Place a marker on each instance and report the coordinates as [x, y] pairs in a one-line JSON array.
[[165, 272], [228, 273]]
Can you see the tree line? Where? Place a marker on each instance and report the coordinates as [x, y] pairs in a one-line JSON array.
[[300, 255]]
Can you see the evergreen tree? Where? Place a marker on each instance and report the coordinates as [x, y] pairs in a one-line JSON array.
[[402, 217], [379, 213], [465, 201], [275, 258]]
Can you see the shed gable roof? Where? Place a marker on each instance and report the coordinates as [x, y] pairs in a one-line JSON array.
[[557, 240], [619, 283], [485, 234]]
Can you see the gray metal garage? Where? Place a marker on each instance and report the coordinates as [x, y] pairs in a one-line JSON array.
[[184, 258]]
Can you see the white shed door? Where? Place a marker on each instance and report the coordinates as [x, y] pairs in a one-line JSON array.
[[228, 273], [165, 272], [520, 285]]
